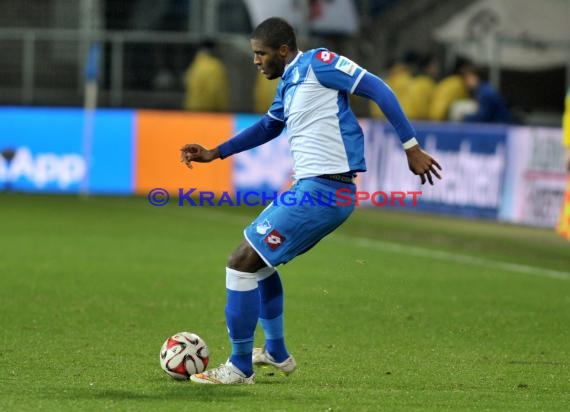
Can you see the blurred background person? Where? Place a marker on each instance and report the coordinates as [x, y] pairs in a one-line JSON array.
[[399, 78], [564, 223], [263, 93], [448, 91], [491, 107], [206, 81], [417, 99]]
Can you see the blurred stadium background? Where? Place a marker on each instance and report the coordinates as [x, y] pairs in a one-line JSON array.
[[129, 59], [147, 45], [92, 102]]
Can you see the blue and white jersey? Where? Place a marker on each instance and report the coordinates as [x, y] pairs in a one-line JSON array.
[[312, 100]]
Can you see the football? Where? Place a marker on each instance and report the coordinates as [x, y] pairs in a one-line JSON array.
[[184, 354]]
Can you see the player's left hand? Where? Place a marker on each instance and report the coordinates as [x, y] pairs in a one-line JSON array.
[[422, 164]]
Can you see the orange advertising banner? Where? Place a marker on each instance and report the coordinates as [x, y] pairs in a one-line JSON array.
[[159, 137]]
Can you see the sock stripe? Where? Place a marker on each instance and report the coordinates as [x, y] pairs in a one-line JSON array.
[[272, 328], [264, 273], [240, 281], [242, 348]]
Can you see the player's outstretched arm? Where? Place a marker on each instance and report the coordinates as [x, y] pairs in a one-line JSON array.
[[261, 132], [419, 162]]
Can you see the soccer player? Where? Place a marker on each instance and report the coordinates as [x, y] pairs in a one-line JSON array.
[[327, 145]]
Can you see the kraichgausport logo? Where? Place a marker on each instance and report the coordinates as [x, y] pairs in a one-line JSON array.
[[340, 197]]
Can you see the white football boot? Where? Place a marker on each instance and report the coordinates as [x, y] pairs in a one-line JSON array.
[[225, 374], [261, 357]]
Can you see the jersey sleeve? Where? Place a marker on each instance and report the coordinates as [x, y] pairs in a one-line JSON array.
[[259, 133], [276, 110], [373, 88], [335, 71]]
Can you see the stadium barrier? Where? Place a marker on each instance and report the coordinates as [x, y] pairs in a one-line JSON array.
[[513, 174]]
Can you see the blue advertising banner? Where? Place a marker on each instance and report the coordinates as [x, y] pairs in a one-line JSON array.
[[473, 158], [43, 150], [512, 174], [266, 168]]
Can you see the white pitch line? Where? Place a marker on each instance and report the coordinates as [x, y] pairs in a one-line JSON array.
[[452, 257], [232, 218]]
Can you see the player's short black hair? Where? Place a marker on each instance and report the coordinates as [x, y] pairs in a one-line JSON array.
[[274, 32]]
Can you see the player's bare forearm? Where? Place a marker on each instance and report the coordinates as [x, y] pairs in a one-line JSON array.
[[195, 153], [422, 164]]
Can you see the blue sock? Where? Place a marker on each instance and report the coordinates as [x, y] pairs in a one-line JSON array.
[[242, 312], [271, 315]]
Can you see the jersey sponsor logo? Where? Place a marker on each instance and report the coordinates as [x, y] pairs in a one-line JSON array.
[[346, 65], [263, 227], [274, 239], [326, 56]]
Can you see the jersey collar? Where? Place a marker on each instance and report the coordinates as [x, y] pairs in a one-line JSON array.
[[299, 53]]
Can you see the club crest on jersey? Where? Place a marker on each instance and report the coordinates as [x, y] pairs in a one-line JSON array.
[[346, 65], [263, 227], [325, 56], [274, 239]]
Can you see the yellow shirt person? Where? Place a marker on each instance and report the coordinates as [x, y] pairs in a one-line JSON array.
[[264, 93], [564, 224], [446, 92], [206, 84], [399, 80], [417, 101]]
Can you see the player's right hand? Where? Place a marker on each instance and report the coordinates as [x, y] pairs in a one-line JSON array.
[[195, 153]]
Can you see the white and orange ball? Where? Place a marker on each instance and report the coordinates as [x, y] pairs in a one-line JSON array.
[[184, 354]]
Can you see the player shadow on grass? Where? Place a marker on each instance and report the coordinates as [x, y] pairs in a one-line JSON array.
[[178, 391], [175, 390]]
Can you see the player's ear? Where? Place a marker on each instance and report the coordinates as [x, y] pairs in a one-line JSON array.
[[283, 50]]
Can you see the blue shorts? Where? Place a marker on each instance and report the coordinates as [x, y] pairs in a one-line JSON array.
[[298, 219]]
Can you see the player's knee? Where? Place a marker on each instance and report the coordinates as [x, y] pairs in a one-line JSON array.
[[245, 259], [238, 260], [234, 260]]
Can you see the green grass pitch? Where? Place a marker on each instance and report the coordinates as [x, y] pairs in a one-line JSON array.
[[394, 311]]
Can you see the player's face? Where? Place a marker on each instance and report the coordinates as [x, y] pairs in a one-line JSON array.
[[270, 62]]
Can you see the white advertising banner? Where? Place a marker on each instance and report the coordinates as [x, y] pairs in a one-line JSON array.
[[535, 180]]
